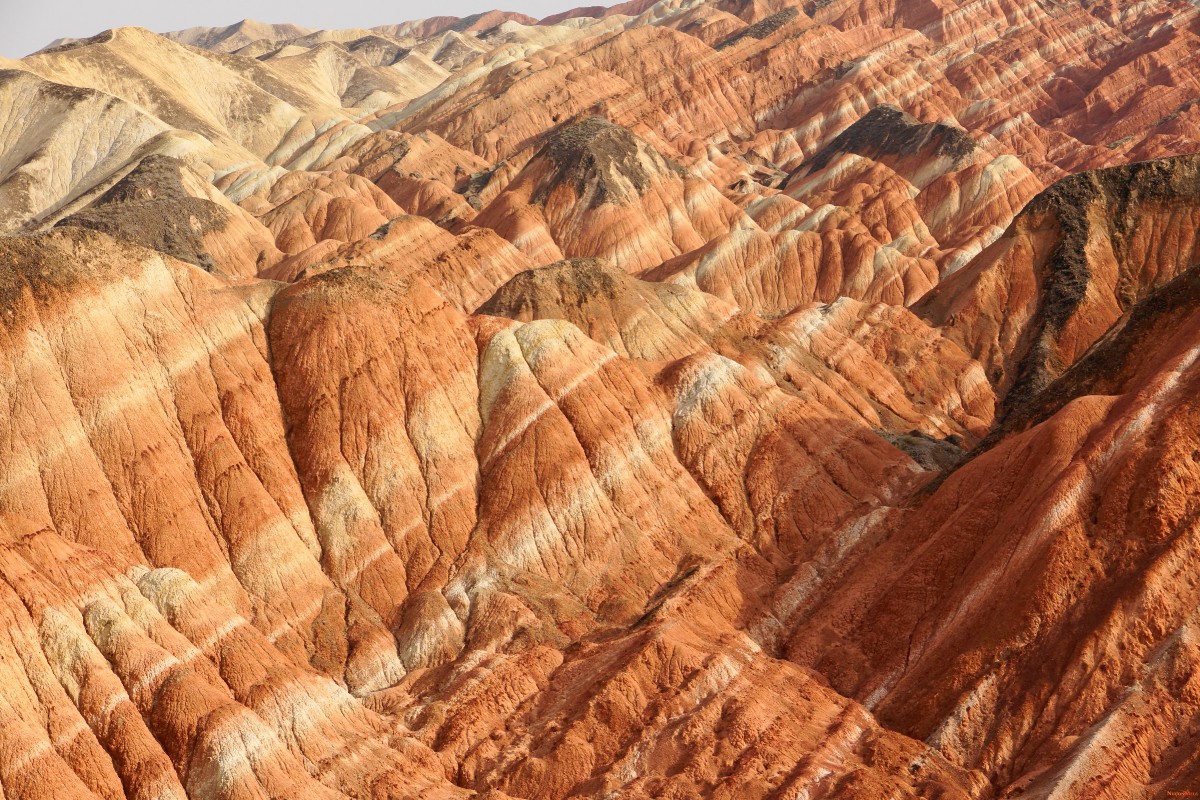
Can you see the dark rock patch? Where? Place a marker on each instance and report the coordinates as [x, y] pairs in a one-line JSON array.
[[1066, 274], [763, 28], [151, 207], [589, 155], [929, 452], [889, 131]]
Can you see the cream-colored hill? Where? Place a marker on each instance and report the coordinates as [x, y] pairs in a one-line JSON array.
[[265, 115], [238, 35]]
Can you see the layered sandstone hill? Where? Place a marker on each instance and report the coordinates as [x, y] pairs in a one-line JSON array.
[[671, 400]]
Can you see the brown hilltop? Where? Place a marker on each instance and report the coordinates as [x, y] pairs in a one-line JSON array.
[[1072, 262], [634, 318], [890, 136], [164, 205], [594, 188]]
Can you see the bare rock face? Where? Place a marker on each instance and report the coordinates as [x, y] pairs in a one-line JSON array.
[[1072, 263], [165, 206], [890, 136], [60, 124], [596, 189], [634, 318], [722, 399], [305, 209], [1077, 616], [463, 267]]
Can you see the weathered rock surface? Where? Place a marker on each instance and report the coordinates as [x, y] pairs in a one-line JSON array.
[[165, 206], [1075, 259], [595, 189], [677, 400]]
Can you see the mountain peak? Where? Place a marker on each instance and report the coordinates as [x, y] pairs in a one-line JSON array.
[[595, 153], [887, 130]]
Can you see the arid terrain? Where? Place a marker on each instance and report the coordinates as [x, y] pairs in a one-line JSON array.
[[683, 399]]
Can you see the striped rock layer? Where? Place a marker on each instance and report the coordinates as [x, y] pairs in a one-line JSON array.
[[671, 400]]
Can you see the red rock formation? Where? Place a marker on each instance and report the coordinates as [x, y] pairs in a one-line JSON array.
[[1072, 262], [732, 399], [1071, 539], [633, 318], [595, 189], [302, 210], [465, 268]]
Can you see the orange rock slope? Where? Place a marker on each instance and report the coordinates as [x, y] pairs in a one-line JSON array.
[[671, 400]]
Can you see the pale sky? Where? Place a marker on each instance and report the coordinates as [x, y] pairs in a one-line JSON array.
[[28, 25]]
